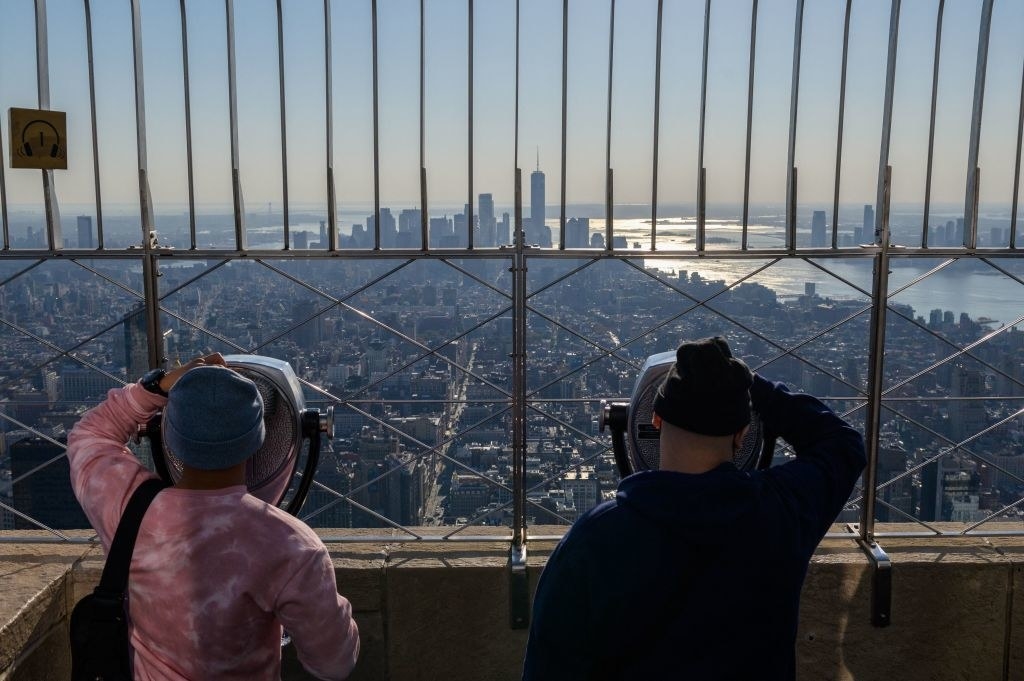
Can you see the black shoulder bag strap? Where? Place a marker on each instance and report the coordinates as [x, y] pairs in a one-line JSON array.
[[114, 581], [100, 648]]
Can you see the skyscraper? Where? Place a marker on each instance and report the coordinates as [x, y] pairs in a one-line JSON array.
[[488, 225], [388, 230], [335, 473], [818, 229], [360, 237], [458, 230], [85, 231], [869, 223], [45, 493], [81, 384], [504, 230], [136, 350], [441, 232], [308, 333], [536, 204], [577, 233], [409, 223], [967, 417], [583, 487], [406, 489]]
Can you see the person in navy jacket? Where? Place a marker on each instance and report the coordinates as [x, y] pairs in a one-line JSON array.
[[694, 571]]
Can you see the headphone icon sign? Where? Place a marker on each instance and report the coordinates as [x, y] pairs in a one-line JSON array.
[[26, 146]]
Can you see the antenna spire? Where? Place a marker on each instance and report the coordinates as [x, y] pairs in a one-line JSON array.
[[538, 158]]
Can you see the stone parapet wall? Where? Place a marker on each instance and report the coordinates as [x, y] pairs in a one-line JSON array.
[[440, 610]]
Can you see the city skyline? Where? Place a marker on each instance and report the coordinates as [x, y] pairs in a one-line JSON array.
[[399, 435], [539, 130], [414, 349]]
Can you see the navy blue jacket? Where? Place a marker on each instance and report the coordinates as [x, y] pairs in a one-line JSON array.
[[697, 576]]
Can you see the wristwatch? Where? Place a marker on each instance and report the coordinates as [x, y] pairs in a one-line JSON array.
[[151, 381]]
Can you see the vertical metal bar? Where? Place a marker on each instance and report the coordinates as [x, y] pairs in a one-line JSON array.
[[701, 171], [880, 289], [973, 179], [376, 130], [518, 337], [975, 194], [565, 118], [750, 123], [188, 128], [95, 133], [879, 307], [515, 133], [609, 179], [54, 236], [519, 368], [794, 103], [4, 225], [424, 231], [145, 199], [791, 209], [469, 205], [702, 203], [236, 178], [150, 269], [657, 121], [3, 201], [1016, 170], [6, 245], [284, 126], [890, 82], [931, 125], [42, 56], [332, 208], [842, 118]]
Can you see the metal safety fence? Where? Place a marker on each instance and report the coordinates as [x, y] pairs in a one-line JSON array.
[[466, 342]]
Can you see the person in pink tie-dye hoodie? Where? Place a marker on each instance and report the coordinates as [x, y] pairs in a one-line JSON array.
[[216, 572]]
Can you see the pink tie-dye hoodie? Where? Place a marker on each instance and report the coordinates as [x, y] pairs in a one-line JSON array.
[[215, 573]]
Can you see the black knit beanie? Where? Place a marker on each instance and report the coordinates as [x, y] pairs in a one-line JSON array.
[[707, 390]]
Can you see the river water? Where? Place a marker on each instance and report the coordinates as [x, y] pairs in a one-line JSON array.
[[962, 286]]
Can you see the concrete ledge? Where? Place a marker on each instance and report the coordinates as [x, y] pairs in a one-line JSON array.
[[949, 613], [447, 613], [35, 586], [430, 610]]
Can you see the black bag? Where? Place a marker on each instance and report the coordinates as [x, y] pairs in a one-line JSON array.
[[100, 650]]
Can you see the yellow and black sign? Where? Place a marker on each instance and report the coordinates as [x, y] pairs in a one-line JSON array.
[[38, 139]]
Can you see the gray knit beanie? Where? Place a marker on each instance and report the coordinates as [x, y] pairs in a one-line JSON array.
[[707, 390], [213, 418]]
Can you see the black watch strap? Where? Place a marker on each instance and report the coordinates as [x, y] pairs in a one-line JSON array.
[[151, 381]]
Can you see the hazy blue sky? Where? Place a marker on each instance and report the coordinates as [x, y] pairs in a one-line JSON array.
[[494, 99]]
